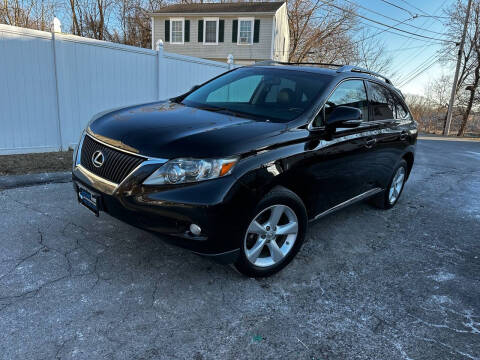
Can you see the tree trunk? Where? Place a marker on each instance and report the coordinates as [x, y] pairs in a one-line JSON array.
[[445, 122], [473, 89]]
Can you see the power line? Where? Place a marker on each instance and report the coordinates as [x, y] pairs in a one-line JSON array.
[[398, 34], [399, 7], [411, 48], [416, 15], [413, 6], [427, 64], [408, 74], [420, 72], [383, 24], [425, 23], [413, 16]]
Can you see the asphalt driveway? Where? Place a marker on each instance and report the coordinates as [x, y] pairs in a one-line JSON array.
[[368, 284]]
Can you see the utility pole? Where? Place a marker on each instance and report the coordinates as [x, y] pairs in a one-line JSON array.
[[457, 70]]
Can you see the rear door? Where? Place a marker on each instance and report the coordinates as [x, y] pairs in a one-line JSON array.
[[386, 112]]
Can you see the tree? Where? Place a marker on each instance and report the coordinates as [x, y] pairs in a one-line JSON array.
[[469, 78], [133, 15], [371, 54], [31, 14], [90, 18], [319, 32]]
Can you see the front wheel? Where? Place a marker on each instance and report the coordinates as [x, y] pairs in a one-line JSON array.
[[274, 234]]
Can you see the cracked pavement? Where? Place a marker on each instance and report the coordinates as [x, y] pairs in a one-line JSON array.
[[368, 284]]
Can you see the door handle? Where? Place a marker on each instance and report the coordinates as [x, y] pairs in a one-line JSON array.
[[403, 135], [370, 142]]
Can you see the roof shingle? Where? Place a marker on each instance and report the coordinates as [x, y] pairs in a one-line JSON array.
[[234, 7]]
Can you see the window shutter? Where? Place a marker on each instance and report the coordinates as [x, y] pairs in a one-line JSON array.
[[200, 30], [187, 31], [256, 31], [234, 31], [221, 30], [167, 30]]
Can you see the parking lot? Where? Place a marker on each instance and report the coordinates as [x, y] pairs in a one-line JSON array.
[[368, 284]]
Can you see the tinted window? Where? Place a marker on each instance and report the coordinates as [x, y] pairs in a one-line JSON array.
[[263, 93], [348, 93], [400, 110], [240, 90], [382, 102]]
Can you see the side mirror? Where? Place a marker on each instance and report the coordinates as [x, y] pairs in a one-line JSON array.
[[194, 87], [344, 116]]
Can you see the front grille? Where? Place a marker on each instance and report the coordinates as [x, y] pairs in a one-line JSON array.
[[117, 164]]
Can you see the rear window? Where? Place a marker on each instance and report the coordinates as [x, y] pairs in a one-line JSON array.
[[261, 93], [382, 102]]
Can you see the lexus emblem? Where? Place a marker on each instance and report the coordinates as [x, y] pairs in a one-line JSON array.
[[98, 158]]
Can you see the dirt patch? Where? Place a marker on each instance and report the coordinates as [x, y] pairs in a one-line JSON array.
[[36, 163]]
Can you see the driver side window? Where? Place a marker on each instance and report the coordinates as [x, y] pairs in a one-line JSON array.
[[348, 93]]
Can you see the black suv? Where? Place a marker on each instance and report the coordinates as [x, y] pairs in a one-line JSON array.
[[237, 167]]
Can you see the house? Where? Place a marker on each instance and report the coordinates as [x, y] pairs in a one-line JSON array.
[[250, 31]]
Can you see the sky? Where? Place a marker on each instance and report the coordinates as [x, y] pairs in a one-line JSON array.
[[409, 53]]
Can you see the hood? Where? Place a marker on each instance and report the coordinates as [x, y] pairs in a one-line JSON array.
[[169, 130]]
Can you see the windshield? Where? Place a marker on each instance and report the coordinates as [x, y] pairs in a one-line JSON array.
[[260, 93]]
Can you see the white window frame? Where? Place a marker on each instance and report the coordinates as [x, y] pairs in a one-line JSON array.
[[183, 30], [252, 21], [217, 20]]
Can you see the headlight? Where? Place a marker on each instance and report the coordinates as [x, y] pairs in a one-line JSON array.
[[181, 171]]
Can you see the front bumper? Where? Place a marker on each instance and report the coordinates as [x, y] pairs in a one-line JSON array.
[[217, 206]]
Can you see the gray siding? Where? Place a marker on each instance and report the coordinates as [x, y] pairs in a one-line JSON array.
[[256, 51]]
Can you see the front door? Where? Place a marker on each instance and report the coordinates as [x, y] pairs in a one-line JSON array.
[[340, 163]]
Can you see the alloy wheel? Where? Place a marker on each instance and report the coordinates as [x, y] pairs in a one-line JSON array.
[[397, 185], [271, 235]]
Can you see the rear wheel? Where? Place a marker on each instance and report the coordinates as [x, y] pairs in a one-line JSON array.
[[274, 234], [389, 197]]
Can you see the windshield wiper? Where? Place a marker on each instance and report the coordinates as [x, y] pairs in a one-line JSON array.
[[222, 110]]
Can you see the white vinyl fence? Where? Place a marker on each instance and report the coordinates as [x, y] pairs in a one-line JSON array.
[[51, 84]]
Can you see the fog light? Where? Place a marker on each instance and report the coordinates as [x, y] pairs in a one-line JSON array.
[[195, 229]]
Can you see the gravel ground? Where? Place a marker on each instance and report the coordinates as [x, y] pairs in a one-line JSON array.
[[35, 163], [368, 284]]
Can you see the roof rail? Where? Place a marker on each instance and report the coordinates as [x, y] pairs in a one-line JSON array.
[[274, 62], [342, 68], [352, 68]]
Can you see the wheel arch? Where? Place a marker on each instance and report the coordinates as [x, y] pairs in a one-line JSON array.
[[409, 158]]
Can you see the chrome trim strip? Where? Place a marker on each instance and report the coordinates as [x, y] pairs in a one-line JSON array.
[[113, 147], [145, 163], [99, 183], [78, 153], [362, 196], [95, 181]]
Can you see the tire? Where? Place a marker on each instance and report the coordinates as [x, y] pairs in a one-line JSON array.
[[384, 200], [281, 241]]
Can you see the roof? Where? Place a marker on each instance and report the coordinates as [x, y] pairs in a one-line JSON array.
[[326, 69], [346, 72], [211, 8]]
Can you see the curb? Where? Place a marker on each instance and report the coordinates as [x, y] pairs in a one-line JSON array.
[[449, 138], [16, 181]]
